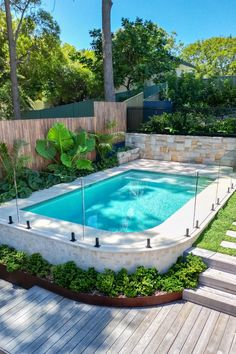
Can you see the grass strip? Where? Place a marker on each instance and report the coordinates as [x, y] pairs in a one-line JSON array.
[[215, 233]]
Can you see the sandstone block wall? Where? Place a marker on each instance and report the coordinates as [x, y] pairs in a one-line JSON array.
[[181, 148], [127, 156]]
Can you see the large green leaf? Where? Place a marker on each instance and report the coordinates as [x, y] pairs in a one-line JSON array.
[[61, 137], [66, 160], [90, 144], [84, 164], [87, 142], [46, 149]]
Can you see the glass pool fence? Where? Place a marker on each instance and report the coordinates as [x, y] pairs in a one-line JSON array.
[[78, 220]]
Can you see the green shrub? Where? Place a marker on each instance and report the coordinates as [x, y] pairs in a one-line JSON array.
[[190, 91], [14, 260], [121, 281], [63, 274], [85, 280], [189, 123], [143, 282], [109, 162], [106, 283], [38, 266], [183, 274]]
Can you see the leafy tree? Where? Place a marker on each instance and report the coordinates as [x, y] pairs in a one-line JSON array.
[[215, 56], [141, 51], [13, 59], [27, 26], [191, 92], [68, 81]]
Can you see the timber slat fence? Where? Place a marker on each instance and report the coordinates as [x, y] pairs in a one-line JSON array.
[[30, 130]]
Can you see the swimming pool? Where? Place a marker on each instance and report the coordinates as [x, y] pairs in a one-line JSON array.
[[132, 201]]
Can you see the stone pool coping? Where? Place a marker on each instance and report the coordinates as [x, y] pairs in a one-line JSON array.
[[51, 237]]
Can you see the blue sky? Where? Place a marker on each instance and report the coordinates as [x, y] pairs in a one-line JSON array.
[[191, 19]]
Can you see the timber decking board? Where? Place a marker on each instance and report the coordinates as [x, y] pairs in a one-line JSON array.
[[196, 331], [228, 336], [217, 334], [43, 322], [177, 344], [202, 342], [22, 335], [53, 324]]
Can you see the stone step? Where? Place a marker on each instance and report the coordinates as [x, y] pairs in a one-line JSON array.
[[215, 260], [228, 244], [214, 299], [231, 233], [218, 279]]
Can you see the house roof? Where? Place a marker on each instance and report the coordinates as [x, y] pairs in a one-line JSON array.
[[186, 63]]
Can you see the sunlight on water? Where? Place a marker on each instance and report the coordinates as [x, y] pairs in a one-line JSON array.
[[132, 201]]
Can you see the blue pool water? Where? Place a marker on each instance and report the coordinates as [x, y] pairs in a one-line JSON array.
[[132, 201]]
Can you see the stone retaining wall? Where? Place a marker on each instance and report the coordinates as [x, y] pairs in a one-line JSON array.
[[129, 155], [180, 148]]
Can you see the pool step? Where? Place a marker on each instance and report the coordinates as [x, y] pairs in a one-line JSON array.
[[215, 260], [213, 298], [218, 279]]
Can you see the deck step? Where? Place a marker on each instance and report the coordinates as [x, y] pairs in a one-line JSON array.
[[213, 298], [218, 279], [9, 292], [215, 260]]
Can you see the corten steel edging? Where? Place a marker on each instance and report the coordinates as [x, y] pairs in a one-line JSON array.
[[27, 280]]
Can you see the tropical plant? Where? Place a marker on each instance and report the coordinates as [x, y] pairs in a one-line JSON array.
[[13, 162], [104, 141], [66, 148]]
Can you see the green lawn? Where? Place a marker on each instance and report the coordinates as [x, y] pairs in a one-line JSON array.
[[212, 236]]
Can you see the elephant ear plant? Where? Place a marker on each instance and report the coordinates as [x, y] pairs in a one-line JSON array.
[[66, 149]]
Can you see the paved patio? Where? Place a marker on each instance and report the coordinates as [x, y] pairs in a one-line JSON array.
[[37, 321]]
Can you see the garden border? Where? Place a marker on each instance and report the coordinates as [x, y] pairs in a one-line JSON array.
[[27, 280]]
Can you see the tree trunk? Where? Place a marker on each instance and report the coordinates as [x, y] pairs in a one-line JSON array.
[[13, 62], [109, 90]]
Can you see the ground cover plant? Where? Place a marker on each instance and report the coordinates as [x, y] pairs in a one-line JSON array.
[[215, 233], [142, 282]]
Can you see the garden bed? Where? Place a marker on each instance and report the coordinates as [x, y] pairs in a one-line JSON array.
[[27, 280]]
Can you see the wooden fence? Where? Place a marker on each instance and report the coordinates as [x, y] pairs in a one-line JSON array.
[[30, 130]]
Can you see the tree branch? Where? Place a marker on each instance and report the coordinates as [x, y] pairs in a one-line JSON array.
[[23, 10]]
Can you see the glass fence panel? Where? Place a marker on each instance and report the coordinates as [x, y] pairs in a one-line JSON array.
[[62, 206]]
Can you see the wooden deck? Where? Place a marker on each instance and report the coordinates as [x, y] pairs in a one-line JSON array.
[[37, 321]]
